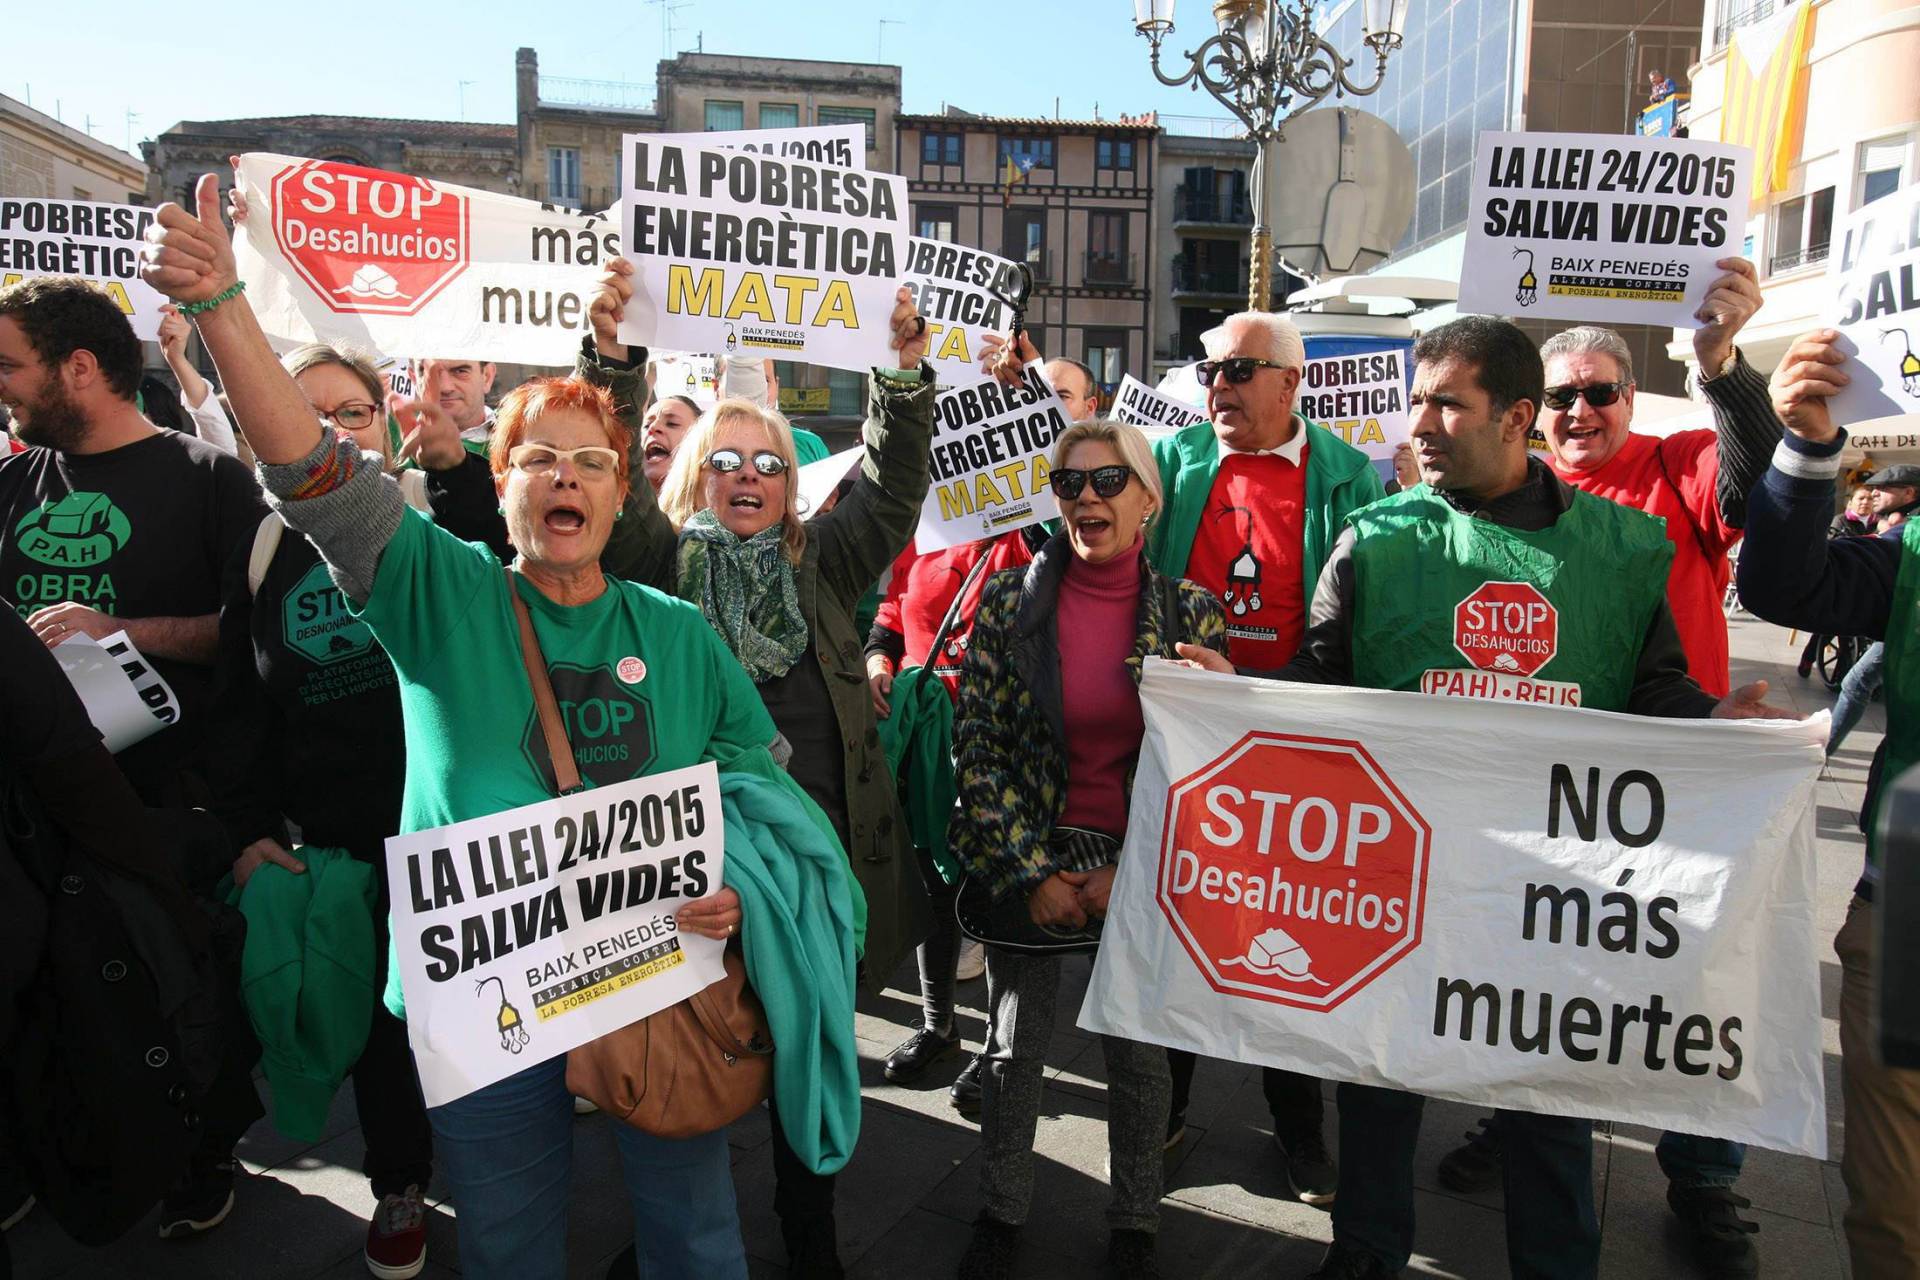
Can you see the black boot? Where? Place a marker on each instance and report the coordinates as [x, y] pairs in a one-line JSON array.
[[989, 1254], [1721, 1240]]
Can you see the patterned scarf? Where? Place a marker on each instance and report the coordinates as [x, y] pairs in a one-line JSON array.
[[746, 590]]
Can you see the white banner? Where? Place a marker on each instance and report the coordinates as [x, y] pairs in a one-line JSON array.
[[843, 145], [953, 288], [1876, 308], [760, 257], [127, 700], [684, 373], [399, 264], [1561, 911], [1614, 229], [1360, 398], [1155, 414], [989, 460], [100, 242], [523, 934]]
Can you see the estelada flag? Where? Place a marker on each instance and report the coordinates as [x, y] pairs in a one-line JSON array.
[[1766, 93], [1011, 173]]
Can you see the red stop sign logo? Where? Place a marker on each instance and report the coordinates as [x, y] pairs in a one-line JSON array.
[[1292, 869], [369, 241], [1506, 627]]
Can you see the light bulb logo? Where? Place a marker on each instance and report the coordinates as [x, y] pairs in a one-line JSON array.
[[732, 341], [1528, 291], [1909, 363], [512, 1028]]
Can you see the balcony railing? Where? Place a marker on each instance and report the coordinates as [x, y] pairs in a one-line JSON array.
[[607, 95], [1782, 262], [1113, 269], [1224, 280], [1220, 208], [1723, 30]]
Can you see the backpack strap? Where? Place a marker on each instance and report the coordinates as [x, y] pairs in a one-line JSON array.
[[266, 541], [953, 610]]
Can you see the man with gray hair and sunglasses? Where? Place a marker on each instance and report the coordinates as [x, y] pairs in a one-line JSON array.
[[1255, 498], [1698, 482]]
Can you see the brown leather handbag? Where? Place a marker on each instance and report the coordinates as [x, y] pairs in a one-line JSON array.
[[693, 1067]]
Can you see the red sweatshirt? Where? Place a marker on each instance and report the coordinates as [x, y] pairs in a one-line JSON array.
[[923, 586]]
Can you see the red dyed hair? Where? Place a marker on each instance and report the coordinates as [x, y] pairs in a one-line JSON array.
[[533, 399]]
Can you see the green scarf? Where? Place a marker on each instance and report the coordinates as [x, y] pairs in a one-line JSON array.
[[746, 590]]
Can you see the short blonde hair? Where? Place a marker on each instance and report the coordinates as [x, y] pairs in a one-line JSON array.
[[313, 355], [1284, 345], [682, 492], [1126, 439]]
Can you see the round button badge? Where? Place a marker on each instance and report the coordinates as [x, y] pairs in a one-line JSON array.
[[631, 670]]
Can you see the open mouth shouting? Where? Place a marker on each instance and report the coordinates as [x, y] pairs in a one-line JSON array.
[[565, 519], [746, 502]]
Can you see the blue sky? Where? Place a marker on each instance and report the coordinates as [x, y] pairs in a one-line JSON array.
[[222, 59]]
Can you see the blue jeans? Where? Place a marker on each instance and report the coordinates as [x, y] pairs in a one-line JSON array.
[[1690, 1161], [1856, 691], [507, 1152]]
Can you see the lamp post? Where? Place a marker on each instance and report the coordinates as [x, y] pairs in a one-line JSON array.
[[1267, 64]]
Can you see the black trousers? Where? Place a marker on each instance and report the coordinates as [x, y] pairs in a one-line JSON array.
[[1292, 1099]]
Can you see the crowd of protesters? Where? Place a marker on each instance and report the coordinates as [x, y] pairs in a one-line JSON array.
[[982, 729]]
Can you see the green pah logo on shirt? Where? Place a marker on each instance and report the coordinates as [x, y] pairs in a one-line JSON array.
[[79, 531]]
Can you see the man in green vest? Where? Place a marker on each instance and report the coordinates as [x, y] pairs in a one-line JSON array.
[[1791, 575], [1255, 497], [1386, 615]]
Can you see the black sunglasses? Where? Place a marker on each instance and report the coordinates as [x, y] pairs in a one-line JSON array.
[[1238, 369], [1598, 394], [766, 462], [1107, 481]]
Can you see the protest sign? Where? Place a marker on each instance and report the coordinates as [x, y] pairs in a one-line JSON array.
[[953, 287], [1155, 414], [1876, 308], [1609, 228], [99, 242], [844, 145], [401, 264], [1360, 398], [989, 460], [1182, 383], [684, 373], [819, 479], [758, 256], [1604, 916], [526, 933], [127, 700]]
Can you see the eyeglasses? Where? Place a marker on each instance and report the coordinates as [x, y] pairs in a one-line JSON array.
[[766, 462], [1597, 394], [1107, 481], [593, 461], [351, 417], [1238, 369]]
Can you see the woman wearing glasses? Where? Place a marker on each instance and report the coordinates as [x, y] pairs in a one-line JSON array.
[[444, 612], [782, 592], [1048, 729]]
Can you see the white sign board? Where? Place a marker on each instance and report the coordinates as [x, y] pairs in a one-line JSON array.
[[1155, 414], [819, 479], [1876, 282], [844, 145], [1603, 916], [989, 460], [127, 700], [758, 257], [99, 242], [396, 263], [526, 933], [1360, 398], [1609, 228], [953, 287], [682, 373]]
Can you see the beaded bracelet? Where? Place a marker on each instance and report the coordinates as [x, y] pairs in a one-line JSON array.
[[195, 308]]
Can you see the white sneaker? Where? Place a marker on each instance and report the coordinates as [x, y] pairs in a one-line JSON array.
[[973, 961], [581, 1107]]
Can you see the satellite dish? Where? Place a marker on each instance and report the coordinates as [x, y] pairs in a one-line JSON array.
[[1339, 192]]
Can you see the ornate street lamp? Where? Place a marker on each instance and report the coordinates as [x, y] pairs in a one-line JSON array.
[[1267, 65]]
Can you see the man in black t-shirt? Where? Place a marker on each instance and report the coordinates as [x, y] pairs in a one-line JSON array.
[[107, 522]]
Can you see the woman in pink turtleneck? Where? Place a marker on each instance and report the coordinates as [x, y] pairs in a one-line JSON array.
[[1046, 733]]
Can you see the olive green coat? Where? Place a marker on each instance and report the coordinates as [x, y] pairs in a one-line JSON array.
[[847, 551]]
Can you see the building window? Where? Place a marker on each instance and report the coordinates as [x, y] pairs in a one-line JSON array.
[[850, 115], [937, 222], [1106, 355], [939, 148], [725, 115], [1114, 153], [563, 176], [1026, 153], [1026, 240], [1881, 162], [1802, 231], [1107, 259], [779, 115], [846, 393]]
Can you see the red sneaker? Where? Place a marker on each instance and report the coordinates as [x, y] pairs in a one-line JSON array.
[[397, 1236]]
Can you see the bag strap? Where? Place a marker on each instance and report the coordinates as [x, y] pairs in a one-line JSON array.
[[953, 610], [266, 541], [553, 732]]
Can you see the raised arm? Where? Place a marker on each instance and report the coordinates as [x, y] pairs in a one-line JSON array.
[[641, 547]]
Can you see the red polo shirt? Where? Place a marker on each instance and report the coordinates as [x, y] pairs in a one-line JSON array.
[[1247, 551]]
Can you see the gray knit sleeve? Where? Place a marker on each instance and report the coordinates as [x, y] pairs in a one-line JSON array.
[[339, 497]]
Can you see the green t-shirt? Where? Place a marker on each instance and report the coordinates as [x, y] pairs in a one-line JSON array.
[[439, 607]]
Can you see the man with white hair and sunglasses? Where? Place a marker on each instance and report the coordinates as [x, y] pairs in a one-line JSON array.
[[1254, 500]]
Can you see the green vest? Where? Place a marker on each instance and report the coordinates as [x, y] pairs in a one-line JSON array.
[[1901, 682], [1447, 604]]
